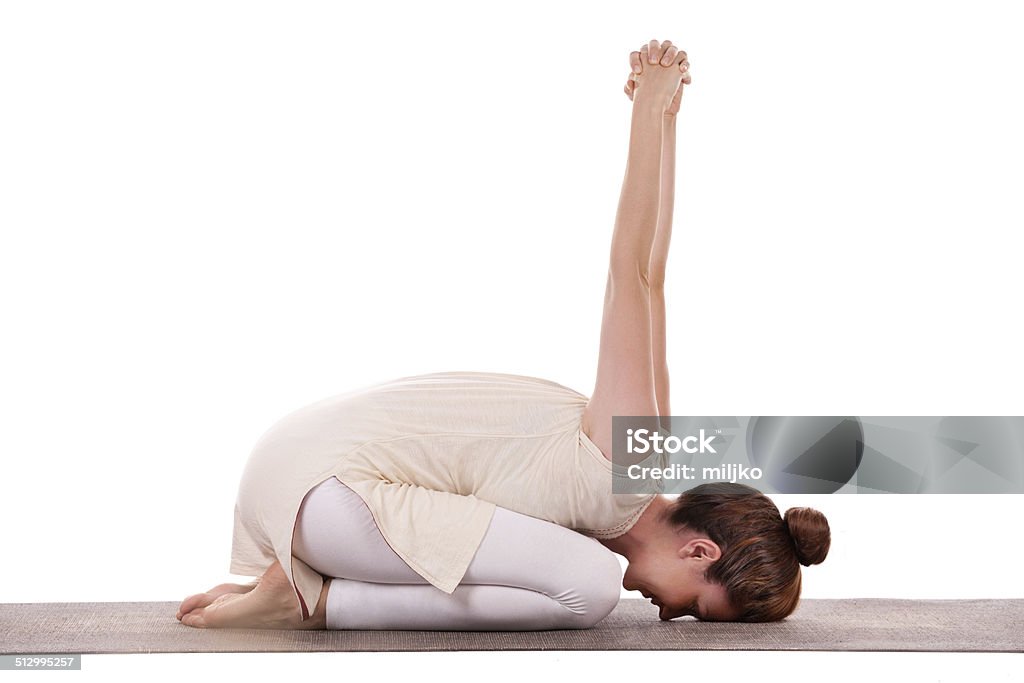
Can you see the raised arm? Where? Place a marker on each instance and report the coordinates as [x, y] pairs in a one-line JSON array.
[[625, 382], [639, 200], [658, 267], [663, 235]]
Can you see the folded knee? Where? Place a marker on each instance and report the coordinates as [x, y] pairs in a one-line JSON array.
[[606, 589], [595, 589]]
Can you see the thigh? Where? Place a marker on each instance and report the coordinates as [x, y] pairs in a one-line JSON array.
[[526, 552], [335, 535]]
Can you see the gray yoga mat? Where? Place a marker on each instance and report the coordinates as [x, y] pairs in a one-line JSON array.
[[864, 624]]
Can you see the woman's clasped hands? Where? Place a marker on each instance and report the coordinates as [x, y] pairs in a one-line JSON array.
[[659, 72]]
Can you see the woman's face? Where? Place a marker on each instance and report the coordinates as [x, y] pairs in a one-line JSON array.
[[671, 574]]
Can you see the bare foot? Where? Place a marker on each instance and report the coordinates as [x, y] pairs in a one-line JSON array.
[[203, 599], [270, 604]]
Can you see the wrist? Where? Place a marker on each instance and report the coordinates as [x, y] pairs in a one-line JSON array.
[[647, 105]]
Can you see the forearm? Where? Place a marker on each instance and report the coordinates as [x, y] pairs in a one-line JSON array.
[[659, 258], [667, 187], [637, 216]]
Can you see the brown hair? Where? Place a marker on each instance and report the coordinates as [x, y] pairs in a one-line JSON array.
[[761, 550]]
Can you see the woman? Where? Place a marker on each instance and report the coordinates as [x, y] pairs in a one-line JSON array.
[[482, 501]]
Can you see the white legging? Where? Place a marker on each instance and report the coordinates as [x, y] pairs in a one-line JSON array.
[[528, 574]]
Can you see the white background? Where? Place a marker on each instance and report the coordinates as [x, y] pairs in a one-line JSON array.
[[212, 213]]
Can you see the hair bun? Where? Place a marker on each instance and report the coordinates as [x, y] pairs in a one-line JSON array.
[[810, 533]]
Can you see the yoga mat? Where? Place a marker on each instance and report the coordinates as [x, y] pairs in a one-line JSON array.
[[862, 624]]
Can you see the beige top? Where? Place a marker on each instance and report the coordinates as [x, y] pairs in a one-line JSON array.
[[431, 456]]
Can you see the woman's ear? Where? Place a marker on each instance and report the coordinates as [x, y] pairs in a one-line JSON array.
[[701, 549]]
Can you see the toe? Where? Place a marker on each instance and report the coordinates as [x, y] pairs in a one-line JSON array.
[[194, 619], [192, 602], [213, 615]]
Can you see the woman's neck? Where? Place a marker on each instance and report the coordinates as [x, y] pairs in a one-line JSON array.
[[645, 531]]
